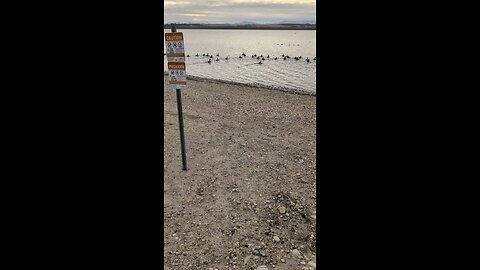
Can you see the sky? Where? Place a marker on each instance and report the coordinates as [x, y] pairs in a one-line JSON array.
[[235, 11]]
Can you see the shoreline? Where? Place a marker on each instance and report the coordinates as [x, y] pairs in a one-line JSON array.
[[254, 85], [251, 177]]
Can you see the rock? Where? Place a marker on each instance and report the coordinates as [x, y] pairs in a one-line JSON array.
[[262, 267], [282, 210], [296, 253], [276, 239], [312, 264]]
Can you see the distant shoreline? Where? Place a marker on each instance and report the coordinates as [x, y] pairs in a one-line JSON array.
[[246, 26]]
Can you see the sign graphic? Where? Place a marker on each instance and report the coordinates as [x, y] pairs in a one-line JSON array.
[[175, 47], [177, 74]]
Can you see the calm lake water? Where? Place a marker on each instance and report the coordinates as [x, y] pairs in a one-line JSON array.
[[286, 74]]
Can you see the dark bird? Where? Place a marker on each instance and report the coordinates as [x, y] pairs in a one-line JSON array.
[[217, 60], [244, 54], [258, 57], [308, 60], [240, 57], [275, 58], [207, 54], [209, 61], [268, 56], [260, 63], [299, 57], [253, 56], [263, 58], [284, 58], [203, 54], [288, 57], [218, 54], [196, 54], [315, 58], [226, 58], [283, 55], [188, 55], [211, 56]]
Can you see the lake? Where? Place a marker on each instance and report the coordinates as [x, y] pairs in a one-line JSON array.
[[280, 73]]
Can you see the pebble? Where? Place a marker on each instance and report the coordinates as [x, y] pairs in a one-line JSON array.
[[296, 253], [262, 267], [276, 239], [282, 210]]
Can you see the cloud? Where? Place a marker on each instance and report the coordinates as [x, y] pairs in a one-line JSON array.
[[231, 11]]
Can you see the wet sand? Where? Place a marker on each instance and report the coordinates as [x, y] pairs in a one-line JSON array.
[[248, 198]]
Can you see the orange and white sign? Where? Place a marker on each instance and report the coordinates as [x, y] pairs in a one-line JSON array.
[[175, 47], [177, 74]]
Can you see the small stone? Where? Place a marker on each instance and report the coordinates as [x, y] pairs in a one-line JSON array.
[[262, 267], [282, 210], [282, 260], [276, 239], [296, 253], [302, 263]]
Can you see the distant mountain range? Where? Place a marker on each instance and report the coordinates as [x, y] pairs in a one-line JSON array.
[[250, 22], [285, 25], [298, 22]]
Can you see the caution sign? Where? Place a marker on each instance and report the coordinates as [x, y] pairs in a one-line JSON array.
[[177, 74], [175, 47]]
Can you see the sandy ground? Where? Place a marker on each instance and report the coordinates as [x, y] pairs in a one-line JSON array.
[[248, 198]]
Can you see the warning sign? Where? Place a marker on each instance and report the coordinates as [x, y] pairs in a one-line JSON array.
[[175, 47], [177, 74]]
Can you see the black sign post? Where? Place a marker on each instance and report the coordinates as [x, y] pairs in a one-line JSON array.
[[180, 118]]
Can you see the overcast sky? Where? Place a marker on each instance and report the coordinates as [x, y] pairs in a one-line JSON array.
[[234, 11]]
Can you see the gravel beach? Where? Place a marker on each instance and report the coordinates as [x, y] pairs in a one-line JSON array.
[[248, 198]]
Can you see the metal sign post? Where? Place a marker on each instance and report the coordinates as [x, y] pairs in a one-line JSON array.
[[178, 78]]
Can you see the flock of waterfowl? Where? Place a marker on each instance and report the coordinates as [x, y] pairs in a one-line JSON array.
[[258, 57]]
